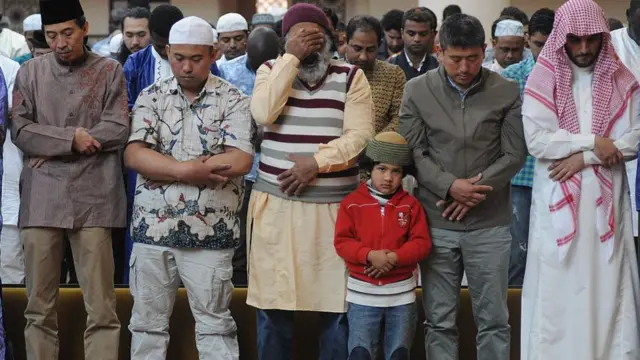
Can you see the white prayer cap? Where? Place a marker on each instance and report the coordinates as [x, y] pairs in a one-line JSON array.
[[191, 30], [232, 22], [115, 43], [509, 28], [32, 23], [215, 36]]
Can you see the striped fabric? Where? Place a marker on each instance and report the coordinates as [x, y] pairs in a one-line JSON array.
[[311, 116], [390, 295]]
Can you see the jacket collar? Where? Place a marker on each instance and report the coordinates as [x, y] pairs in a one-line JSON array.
[[477, 84], [363, 189]]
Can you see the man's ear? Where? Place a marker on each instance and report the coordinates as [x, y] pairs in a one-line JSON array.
[[214, 54], [85, 28]]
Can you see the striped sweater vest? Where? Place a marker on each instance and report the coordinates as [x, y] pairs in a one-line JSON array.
[[311, 116]]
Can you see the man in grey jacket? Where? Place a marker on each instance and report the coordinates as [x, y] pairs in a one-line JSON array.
[[465, 127]]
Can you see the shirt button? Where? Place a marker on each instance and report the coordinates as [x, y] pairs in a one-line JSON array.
[[71, 92]]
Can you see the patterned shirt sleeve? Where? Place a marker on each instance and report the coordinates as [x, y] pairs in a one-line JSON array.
[[238, 128], [145, 119]]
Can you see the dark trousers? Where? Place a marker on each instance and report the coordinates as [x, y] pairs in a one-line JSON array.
[[521, 208], [239, 261], [275, 335]]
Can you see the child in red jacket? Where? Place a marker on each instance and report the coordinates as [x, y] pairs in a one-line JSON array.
[[382, 234]]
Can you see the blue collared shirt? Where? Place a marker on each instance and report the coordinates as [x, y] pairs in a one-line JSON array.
[[238, 73], [520, 73]]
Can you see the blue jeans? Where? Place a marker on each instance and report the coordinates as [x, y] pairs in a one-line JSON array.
[[521, 207], [365, 328], [275, 335]]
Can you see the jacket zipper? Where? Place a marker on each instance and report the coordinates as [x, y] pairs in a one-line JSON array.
[[383, 218], [464, 132]]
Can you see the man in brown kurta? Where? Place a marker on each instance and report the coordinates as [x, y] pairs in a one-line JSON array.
[[70, 119]]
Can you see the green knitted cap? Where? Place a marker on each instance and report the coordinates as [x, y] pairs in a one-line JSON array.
[[390, 148]]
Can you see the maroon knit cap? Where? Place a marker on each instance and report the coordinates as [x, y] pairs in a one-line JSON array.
[[303, 12]]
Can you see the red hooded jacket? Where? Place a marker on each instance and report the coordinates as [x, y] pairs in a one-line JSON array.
[[361, 227]]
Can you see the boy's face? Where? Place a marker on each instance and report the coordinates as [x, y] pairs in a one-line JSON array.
[[386, 178]]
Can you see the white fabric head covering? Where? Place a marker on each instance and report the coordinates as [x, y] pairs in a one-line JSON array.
[[115, 43], [509, 28], [191, 30], [215, 36], [232, 22], [32, 23]]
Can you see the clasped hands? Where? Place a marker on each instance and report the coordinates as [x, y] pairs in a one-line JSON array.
[[466, 195], [605, 149], [83, 143], [380, 263], [197, 172]]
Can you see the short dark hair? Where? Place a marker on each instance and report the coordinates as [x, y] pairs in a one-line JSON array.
[[332, 16], [162, 19], [341, 27], [392, 20], [542, 22], [136, 13], [494, 26], [516, 13], [278, 28], [633, 6], [367, 164], [364, 23], [451, 10], [80, 21], [421, 15], [461, 30], [615, 24]]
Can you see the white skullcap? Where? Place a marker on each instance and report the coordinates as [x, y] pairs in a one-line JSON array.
[[115, 43], [232, 22], [32, 23], [215, 36], [191, 30], [509, 28]]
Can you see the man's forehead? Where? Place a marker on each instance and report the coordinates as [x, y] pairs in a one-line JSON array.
[[232, 34], [71, 24], [136, 22], [188, 50], [583, 37], [415, 26], [510, 40]]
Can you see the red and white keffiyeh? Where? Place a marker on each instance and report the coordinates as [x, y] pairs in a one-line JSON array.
[[550, 83]]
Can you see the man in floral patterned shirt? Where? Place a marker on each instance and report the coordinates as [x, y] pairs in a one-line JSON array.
[[190, 143]]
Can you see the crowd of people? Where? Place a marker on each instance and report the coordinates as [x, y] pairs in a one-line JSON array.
[[331, 167]]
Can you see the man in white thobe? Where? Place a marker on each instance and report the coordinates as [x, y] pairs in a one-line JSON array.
[[11, 254], [626, 43], [581, 122]]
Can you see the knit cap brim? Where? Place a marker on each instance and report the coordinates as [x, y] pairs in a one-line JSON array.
[[390, 148]]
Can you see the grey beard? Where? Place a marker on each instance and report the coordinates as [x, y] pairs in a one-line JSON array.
[[313, 73]]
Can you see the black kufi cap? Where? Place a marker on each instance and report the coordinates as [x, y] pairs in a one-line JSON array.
[[39, 41], [59, 11], [162, 19]]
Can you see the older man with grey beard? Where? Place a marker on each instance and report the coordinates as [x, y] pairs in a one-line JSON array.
[[317, 115]]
